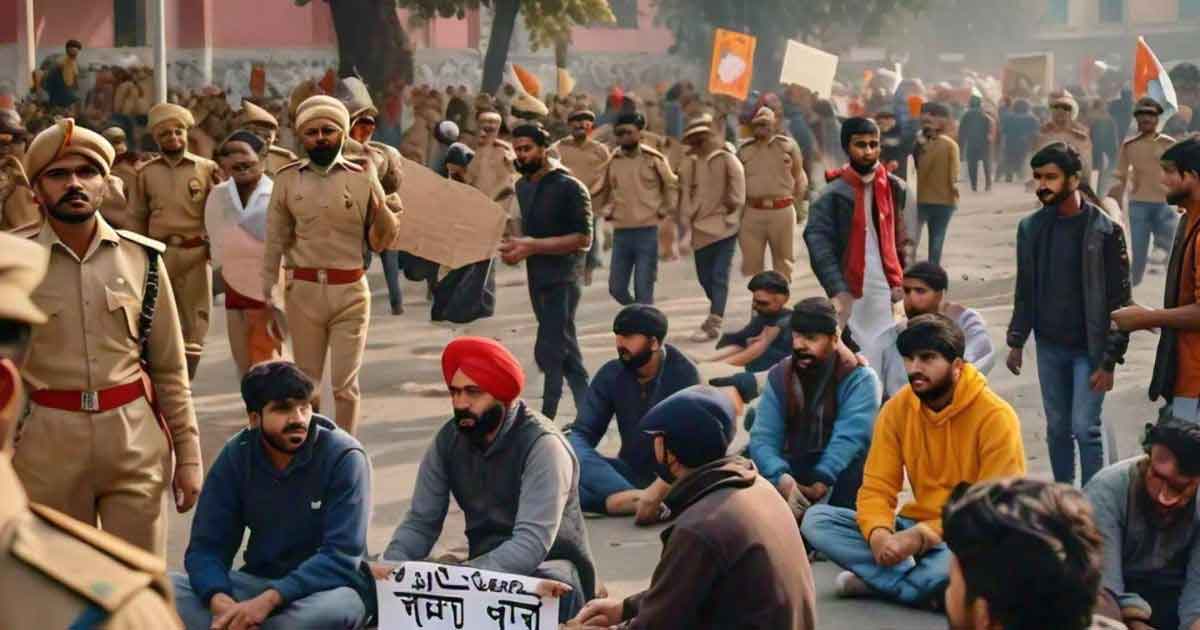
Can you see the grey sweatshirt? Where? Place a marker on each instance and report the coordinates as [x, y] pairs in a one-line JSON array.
[[980, 351]]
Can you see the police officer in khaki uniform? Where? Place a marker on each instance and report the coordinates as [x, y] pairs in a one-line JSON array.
[[167, 204], [586, 160], [492, 169], [775, 182], [56, 572], [110, 406], [642, 189], [261, 123], [319, 211], [1063, 127], [389, 164], [18, 210]]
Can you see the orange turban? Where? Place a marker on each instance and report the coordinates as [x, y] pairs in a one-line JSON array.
[[486, 362]]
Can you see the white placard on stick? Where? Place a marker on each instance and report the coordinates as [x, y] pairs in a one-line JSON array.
[[809, 67], [428, 596]]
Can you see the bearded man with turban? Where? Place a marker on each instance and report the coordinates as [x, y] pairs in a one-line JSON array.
[[511, 471]]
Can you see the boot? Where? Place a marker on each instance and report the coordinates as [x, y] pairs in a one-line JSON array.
[[709, 330], [193, 362]]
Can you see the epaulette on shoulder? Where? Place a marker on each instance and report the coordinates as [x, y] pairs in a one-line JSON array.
[[354, 165], [144, 241], [652, 151], [141, 167], [30, 231], [503, 143], [281, 151], [290, 165]]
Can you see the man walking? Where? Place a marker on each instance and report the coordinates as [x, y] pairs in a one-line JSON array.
[[775, 183], [1072, 273], [556, 220], [1064, 127], [937, 178], [261, 123], [586, 160], [1139, 169], [713, 191], [975, 131]]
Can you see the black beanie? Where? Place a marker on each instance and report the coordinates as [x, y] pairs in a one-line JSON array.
[[814, 315], [641, 319]]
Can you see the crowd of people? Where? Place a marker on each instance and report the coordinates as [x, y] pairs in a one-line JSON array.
[[119, 214]]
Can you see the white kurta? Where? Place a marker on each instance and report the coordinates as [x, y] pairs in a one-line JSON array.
[[872, 313]]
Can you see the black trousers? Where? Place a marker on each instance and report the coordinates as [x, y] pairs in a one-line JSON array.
[[556, 350], [973, 161]]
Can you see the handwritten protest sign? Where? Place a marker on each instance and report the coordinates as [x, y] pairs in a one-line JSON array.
[[445, 221], [427, 596], [809, 67]]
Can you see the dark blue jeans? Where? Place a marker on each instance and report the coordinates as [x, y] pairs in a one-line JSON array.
[[1146, 219], [1072, 411], [556, 349], [392, 266], [713, 262], [635, 251], [601, 477], [938, 218]]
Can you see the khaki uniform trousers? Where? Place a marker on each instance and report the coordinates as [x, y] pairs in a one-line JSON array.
[[108, 469], [760, 228], [191, 281], [325, 317], [249, 339]]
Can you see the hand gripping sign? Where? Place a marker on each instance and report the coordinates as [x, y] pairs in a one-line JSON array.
[[428, 596]]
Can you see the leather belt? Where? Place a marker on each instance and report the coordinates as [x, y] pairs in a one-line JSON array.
[[184, 242], [90, 402], [327, 276], [767, 203]]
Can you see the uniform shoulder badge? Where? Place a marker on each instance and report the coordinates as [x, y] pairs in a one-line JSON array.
[[652, 151], [281, 151], [141, 167], [294, 164], [30, 231], [144, 241]]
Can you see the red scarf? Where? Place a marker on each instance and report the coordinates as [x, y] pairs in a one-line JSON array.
[[855, 258]]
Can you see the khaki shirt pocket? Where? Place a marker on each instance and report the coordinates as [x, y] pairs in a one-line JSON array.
[[125, 308]]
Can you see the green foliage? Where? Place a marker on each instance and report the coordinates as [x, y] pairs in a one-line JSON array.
[[548, 21]]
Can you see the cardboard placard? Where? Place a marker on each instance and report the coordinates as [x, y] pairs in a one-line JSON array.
[[446, 221], [809, 67], [428, 596], [1029, 75], [732, 65]]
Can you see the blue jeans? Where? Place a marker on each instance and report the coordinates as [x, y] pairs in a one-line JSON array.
[[635, 251], [713, 263], [1146, 218], [390, 259], [834, 532], [601, 477], [938, 218], [340, 608], [1072, 411]]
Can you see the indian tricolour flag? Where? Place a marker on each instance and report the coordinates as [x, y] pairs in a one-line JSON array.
[[1151, 79]]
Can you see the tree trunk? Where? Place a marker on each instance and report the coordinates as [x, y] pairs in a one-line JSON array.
[[504, 21], [372, 43], [768, 63]]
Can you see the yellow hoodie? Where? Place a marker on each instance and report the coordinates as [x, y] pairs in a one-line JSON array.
[[976, 437]]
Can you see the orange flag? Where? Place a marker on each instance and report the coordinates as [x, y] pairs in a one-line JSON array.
[[732, 64], [258, 81]]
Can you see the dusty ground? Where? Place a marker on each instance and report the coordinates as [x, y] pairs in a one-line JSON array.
[[400, 417]]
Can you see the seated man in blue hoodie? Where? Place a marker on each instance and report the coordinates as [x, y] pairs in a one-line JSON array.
[[302, 488], [816, 414], [764, 341], [645, 371]]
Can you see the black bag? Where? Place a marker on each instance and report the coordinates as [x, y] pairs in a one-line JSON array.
[[465, 294]]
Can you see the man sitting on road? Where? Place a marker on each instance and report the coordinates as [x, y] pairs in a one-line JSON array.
[[512, 473], [764, 341], [1146, 510], [945, 428], [925, 287], [733, 559], [302, 488], [816, 413], [645, 371]]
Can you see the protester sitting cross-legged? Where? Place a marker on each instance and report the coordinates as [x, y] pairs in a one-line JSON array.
[[816, 413], [302, 488], [1145, 508], [764, 341], [945, 428], [645, 371], [509, 469], [1024, 554], [733, 558]]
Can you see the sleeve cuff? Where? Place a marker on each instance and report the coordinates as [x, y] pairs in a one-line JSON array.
[[820, 473], [187, 451], [287, 589]]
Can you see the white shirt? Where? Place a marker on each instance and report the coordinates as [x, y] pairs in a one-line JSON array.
[[237, 233]]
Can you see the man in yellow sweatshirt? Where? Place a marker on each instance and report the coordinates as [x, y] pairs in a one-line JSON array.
[[944, 428]]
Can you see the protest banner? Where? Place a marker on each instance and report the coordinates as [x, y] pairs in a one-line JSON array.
[[732, 63], [428, 596], [446, 221], [1029, 75], [808, 67]]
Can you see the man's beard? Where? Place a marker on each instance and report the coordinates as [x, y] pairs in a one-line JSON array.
[[1051, 198], [863, 168], [814, 362], [635, 361], [935, 390], [629, 147], [458, 177], [767, 314], [281, 442], [484, 424], [530, 166], [323, 155], [579, 134], [1178, 197], [62, 211]]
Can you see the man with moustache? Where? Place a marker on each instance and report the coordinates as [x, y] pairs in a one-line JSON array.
[[815, 416], [764, 341], [167, 204], [1138, 168], [775, 184], [303, 489], [512, 473], [492, 169], [1072, 273], [646, 370], [947, 427], [642, 188], [111, 401], [937, 177], [321, 210], [586, 159], [556, 220]]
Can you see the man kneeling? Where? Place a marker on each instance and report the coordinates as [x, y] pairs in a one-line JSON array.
[[302, 488], [512, 473]]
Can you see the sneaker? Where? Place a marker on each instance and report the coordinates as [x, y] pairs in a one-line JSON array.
[[849, 585], [702, 335]]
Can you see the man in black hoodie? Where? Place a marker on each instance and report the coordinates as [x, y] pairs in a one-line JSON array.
[[734, 557]]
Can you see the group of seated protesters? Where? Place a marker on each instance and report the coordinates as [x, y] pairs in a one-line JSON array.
[[824, 472]]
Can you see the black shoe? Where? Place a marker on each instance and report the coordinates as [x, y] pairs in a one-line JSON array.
[[397, 309]]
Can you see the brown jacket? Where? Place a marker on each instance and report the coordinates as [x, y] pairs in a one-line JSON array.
[[774, 169], [1139, 167], [1074, 134], [713, 191], [168, 199], [733, 559], [641, 186], [585, 160], [937, 171]]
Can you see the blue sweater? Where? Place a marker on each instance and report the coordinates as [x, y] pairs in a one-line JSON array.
[[308, 522], [616, 390], [857, 403]]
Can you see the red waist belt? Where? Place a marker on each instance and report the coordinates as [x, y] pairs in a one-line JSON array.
[[175, 240], [327, 276], [772, 204], [91, 402]]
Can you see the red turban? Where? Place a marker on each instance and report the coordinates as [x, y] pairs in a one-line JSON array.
[[486, 362]]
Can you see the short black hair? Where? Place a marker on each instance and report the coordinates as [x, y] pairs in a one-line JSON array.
[[930, 273], [534, 132], [857, 126], [933, 108], [932, 332], [1060, 154], [631, 118], [256, 143], [14, 339], [275, 381], [770, 281], [1021, 540], [73, 43], [1180, 437], [1185, 155]]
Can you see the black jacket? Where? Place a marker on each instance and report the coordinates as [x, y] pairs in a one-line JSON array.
[[1106, 284], [1166, 357], [556, 205], [828, 231]]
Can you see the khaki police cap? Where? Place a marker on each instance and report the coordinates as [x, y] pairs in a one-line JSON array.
[[22, 267], [65, 138], [700, 124], [1147, 105], [322, 107], [164, 112], [253, 114]]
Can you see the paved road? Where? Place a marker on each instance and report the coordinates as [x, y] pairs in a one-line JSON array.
[[403, 407]]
